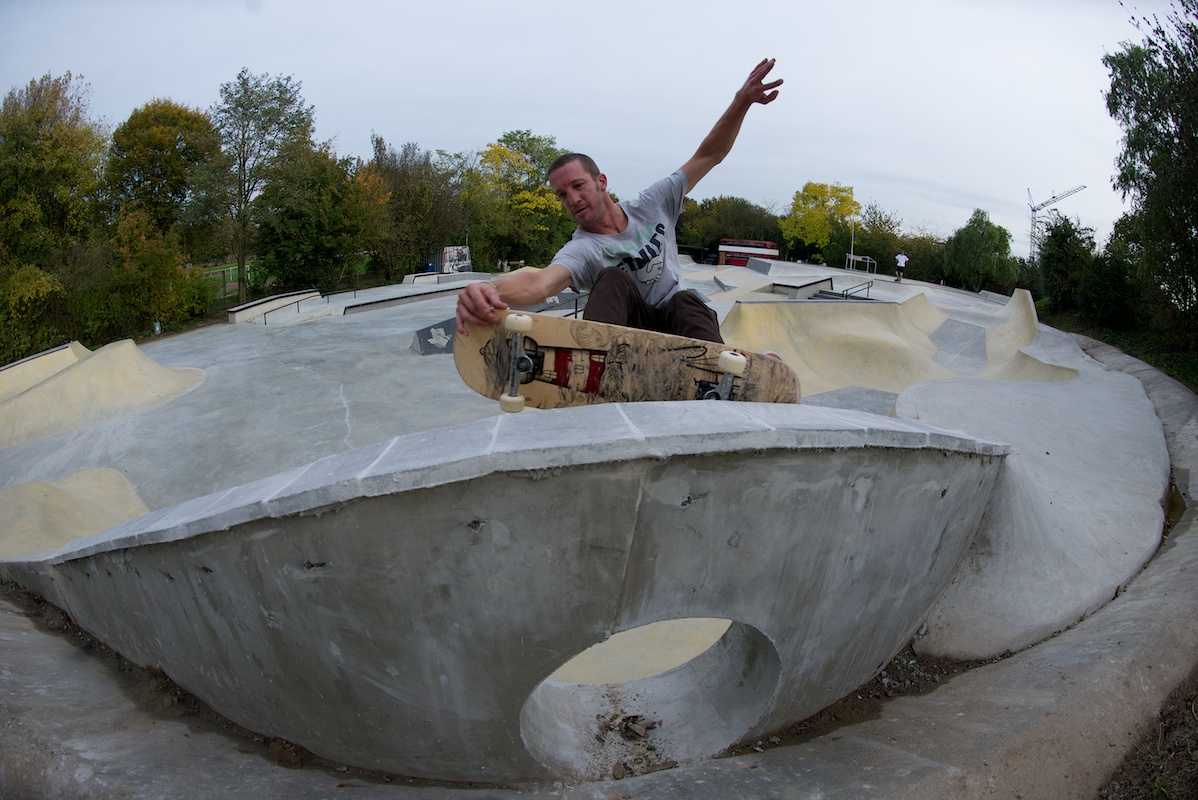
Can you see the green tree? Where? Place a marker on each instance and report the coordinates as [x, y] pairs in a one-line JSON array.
[[155, 157], [27, 296], [424, 206], [537, 154], [146, 283], [978, 256], [257, 116], [876, 234], [316, 217], [50, 155], [480, 210], [926, 253], [206, 226], [815, 212], [1112, 289], [840, 239], [1154, 99], [703, 224], [1067, 254]]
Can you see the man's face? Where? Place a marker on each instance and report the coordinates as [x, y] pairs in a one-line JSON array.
[[582, 195]]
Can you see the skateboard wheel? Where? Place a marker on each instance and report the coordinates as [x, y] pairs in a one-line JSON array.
[[732, 362], [511, 402], [518, 323]]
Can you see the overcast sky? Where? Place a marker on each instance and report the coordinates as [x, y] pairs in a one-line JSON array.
[[930, 108]]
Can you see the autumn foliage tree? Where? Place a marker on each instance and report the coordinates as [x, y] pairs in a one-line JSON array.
[[525, 221], [146, 282], [816, 211], [50, 156], [154, 159]]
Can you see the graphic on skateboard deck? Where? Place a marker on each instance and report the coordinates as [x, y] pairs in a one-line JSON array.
[[548, 361]]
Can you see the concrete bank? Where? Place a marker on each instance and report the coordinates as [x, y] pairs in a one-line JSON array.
[[399, 606]]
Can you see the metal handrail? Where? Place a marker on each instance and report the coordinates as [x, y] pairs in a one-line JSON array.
[[853, 290], [280, 308]]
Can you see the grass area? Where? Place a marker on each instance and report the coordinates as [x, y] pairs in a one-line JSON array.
[[1181, 365], [1164, 765]]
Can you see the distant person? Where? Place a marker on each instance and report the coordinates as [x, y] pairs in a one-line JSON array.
[[900, 264], [625, 254]]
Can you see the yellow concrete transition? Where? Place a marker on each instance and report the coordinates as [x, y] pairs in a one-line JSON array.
[[114, 381], [39, 517], [24, 374], [882, 346]]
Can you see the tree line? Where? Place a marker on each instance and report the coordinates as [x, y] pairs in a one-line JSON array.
[[104, 233]]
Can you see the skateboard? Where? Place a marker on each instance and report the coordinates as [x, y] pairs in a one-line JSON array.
[[548, 361]]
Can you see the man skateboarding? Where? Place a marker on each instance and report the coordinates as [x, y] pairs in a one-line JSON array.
[[624, 254], [900, 264]]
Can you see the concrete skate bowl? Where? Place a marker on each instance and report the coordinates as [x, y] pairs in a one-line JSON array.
[[883, 346], [74, 389], [405, 606]]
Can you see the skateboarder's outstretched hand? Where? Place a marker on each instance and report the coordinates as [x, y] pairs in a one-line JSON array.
[[755, 89]]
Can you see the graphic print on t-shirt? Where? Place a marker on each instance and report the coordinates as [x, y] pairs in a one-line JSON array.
[[642, 258]]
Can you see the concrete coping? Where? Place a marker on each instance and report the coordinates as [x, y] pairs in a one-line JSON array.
[[35, 356], [413, 293], [538, 440], [448, 277]]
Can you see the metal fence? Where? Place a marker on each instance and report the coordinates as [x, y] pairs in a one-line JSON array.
[[225, 279]]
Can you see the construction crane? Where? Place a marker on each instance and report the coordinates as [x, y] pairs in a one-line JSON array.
[[1033, 246]]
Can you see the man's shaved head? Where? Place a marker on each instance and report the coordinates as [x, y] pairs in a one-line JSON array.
[[587, 163]]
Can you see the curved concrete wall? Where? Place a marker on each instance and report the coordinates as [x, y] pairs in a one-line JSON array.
[[1077, 510], [401, 606]]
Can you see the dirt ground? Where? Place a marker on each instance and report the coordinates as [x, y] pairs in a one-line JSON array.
[[906, 674], [1163, 766]]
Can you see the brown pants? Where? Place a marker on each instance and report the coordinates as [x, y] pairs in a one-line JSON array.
[[615, 299]]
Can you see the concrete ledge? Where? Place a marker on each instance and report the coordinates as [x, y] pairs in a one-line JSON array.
[[417, 294], [448, 277], [254, 309], [799, 288]]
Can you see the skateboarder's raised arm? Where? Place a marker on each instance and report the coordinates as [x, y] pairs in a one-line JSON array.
[[719, 141], [477, 302]]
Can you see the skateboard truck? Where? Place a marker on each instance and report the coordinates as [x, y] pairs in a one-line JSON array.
[[732, 365], [520, 362]]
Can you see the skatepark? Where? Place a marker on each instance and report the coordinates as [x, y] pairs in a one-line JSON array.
[[308, 521]]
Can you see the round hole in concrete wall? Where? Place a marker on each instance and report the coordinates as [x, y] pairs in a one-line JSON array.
[[651, 697]]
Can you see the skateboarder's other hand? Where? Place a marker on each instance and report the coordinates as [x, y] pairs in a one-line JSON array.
[[477, 304], [755, 89]]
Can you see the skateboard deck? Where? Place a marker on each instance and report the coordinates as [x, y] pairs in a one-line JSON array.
[[569, 362]]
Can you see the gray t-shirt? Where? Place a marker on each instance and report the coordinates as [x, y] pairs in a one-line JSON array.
[[647, 249]]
